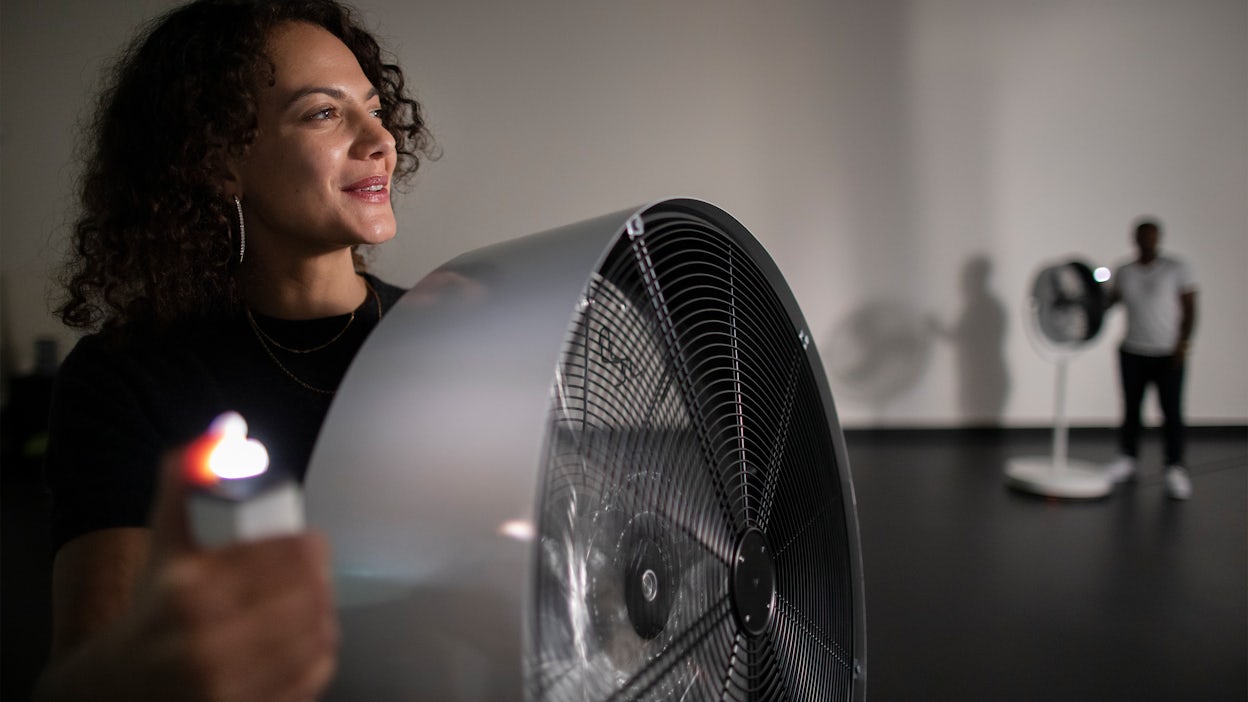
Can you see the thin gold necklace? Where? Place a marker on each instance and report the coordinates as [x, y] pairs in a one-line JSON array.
[[254, 325], [262, 337], [273, 342], [286, 370]]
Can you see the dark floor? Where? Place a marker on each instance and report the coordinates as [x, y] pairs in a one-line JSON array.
[[974, 592]]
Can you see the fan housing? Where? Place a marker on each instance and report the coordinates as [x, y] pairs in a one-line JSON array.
[[600, 462]]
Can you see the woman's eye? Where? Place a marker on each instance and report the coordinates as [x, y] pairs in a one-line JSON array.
[[322, 114], [378, 112]]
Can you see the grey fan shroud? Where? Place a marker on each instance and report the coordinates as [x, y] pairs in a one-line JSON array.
[[598, 462]]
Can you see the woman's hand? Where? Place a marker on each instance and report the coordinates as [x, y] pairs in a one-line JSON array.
[[249, 621]]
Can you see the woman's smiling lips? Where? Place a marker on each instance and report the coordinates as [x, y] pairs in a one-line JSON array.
[[371, 189]]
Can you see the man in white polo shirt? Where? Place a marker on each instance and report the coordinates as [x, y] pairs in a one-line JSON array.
[[1159, 293]]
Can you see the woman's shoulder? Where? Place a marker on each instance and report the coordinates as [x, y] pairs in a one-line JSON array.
[[101, 349], [142, 350]]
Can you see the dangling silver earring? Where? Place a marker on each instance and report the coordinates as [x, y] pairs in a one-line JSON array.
[[242, 230]]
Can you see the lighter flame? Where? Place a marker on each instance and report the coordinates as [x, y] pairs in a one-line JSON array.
[[235, 456]]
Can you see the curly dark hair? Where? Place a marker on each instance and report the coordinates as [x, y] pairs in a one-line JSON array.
[[154, 239]]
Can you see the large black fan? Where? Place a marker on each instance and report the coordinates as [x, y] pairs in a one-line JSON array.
[[600, 462]]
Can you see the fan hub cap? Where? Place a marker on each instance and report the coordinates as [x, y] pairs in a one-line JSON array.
[[753, 582], [649, 575], [649, 585]]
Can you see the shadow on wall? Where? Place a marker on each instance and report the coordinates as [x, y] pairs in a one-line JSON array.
[[978, 341], [879, 352], [883, 348]]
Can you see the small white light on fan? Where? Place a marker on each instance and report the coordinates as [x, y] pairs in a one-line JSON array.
[[518, 529], [1101, 274]]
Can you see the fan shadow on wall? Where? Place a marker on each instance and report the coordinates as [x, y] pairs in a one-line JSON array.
[[882, 349], [879, 351]]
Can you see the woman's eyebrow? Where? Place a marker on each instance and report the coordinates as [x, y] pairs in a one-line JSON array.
[[335, 93]]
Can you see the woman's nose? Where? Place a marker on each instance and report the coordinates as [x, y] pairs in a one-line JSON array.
[[373, 139]]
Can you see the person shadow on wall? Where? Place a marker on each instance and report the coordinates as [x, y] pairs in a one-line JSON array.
[[978, 341]]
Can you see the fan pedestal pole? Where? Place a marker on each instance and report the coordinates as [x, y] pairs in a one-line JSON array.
[[1056, 475]]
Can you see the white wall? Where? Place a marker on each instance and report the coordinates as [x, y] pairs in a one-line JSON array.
[[907, 164]]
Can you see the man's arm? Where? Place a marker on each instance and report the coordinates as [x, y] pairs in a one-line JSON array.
[[1187, 324], [1112, 295]]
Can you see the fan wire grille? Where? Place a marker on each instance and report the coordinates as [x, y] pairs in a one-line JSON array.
[[685, 414]]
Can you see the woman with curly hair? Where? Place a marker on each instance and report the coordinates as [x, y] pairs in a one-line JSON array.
[[242, 153]]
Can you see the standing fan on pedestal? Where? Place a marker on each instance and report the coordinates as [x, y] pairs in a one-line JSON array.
[[1064, 315], [597, 463]]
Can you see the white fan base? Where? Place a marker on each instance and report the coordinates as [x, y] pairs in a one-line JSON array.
[[1077, 480]]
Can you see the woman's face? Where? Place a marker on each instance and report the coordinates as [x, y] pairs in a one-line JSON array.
[[317, 177]]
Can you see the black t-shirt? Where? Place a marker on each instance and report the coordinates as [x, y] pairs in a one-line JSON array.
[[117, 407]]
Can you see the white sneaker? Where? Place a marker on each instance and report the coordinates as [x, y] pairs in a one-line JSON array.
[[1178, 484], [1120, 469]]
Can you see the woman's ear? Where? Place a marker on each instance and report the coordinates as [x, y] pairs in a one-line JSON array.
[[228, 179], [228, 170]]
